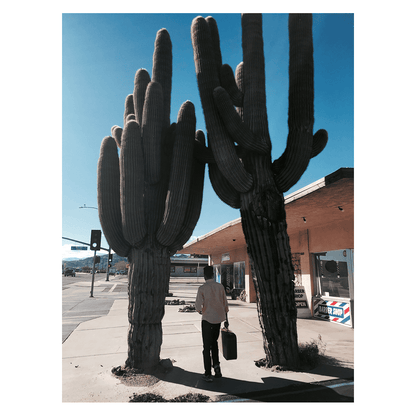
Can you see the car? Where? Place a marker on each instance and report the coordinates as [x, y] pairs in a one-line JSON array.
[[69, 272]]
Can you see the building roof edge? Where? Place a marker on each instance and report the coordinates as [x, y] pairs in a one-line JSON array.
[[333, 177]]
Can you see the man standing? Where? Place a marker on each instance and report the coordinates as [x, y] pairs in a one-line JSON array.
[[211, 302]]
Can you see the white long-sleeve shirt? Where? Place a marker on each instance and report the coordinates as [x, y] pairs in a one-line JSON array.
[[212, 302]]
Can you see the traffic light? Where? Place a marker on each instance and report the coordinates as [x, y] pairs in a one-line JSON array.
[[97, 259], [110, 259], [95, 243]]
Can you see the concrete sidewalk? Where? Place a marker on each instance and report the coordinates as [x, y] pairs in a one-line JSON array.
[[98, 345]]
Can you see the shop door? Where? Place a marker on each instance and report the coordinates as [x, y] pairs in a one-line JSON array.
[[227, 272]]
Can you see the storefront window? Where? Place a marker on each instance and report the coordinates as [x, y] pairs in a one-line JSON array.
[[217, 272], [239, 275], [297, 268], [334, 273]]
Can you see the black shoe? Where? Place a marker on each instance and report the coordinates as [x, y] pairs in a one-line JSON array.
[[217, 371]]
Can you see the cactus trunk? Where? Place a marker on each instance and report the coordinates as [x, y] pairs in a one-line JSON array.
[[263, 219], [273, 281], [148, 284]]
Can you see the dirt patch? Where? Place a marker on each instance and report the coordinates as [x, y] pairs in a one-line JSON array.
[[175, 302], [136, 377], [187, 308], [151, 397]]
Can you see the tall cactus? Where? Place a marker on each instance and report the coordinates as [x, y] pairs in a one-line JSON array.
[[149, 197], [244, 176]]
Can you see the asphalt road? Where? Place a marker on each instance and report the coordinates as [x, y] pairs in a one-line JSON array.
[[82, 277], [78, 305]]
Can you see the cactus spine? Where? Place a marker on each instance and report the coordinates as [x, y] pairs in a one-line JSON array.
[[244, 176], [149, 197]]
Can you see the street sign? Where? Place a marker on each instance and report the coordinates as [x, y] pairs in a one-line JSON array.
[[79, 248]]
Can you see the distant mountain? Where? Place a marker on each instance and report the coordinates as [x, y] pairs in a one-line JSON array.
[[88, 262]]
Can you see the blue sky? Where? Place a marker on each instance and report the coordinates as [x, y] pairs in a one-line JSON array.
[[102, 52]]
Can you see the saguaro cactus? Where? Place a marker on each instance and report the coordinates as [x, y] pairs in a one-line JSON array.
[[244, 176], [149, 197]]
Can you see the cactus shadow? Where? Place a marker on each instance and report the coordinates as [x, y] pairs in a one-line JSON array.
[[228, 386]]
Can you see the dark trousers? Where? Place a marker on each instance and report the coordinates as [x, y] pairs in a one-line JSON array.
[[210, 334]]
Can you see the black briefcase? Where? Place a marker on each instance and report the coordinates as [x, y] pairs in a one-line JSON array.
[[229, 344]]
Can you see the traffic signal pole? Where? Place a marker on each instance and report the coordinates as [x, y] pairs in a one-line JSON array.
[[108, 264], [95, 244], [93, 273]]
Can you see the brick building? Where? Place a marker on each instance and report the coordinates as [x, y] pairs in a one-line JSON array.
[[320, 219]]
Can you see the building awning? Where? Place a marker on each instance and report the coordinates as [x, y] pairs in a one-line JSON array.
[[188, 261], [328, 200]]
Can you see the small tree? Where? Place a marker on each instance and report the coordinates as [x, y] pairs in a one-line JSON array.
[[149, 197], [243, 175]]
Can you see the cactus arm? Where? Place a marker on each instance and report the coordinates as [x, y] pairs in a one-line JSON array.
[[239, 79], [152, 132], [116, 132], [193, 210], [229, 83], [155, 195], [301, 72], [235, 125], [162, 70], [215, 42], [130, 117], [224, 190], [141, 81], [108, 192], [201, 152], [320, 139], [128, 108], [180, 176], [255, 112], [132, 185], [207, 57], [301, 145]]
